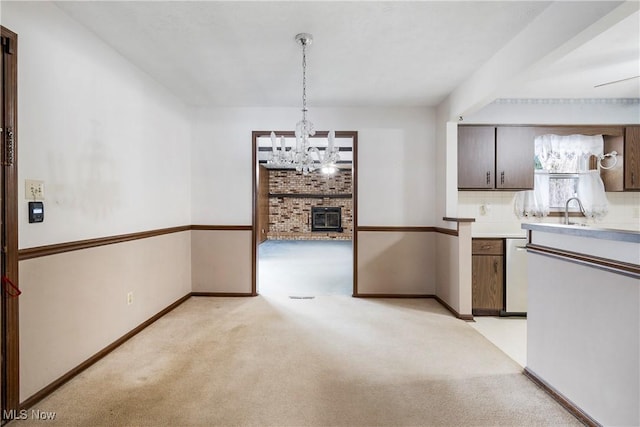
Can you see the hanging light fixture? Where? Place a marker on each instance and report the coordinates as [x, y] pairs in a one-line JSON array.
[[300, 157]]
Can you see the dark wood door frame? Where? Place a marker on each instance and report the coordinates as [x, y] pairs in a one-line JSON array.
[[254, 179], [9, 152]]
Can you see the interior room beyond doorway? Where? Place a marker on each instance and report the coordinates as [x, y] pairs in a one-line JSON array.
[[299, 268], [304, 220]]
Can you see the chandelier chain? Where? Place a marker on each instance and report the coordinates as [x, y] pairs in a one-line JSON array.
[[302, 155], [304, 80]]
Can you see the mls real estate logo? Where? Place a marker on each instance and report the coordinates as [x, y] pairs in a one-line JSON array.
[[23, 414]]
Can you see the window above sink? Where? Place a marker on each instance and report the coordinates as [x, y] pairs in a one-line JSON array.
[[567, 167]]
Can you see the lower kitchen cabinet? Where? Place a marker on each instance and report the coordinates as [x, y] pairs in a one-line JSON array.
[[487, 277]]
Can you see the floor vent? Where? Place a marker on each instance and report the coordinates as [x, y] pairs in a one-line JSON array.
[[292, 297]]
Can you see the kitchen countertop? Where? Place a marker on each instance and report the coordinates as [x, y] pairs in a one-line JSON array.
[[608, 245], [586, 231], [522, 235]]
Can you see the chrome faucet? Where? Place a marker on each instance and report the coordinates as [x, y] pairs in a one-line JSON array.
[[566, 209]]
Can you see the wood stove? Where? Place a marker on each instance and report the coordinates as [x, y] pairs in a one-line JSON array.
[[326, 219]]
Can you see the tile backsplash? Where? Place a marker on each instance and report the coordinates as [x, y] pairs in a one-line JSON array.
[[494, 212]]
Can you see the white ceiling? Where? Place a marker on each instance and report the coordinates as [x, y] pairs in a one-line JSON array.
[[612, 55], [392, 53]]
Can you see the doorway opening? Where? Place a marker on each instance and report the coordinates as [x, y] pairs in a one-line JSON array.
[[304, 225]]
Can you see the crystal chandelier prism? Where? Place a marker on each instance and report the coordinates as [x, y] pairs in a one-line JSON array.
[[304, 157]]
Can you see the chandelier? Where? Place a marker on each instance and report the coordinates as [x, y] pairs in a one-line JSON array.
[[304, 157]]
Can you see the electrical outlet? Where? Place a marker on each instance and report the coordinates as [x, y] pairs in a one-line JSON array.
[[33, 189], [130, 298]]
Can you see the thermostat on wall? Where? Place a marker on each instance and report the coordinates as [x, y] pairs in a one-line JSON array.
[[36, 211]]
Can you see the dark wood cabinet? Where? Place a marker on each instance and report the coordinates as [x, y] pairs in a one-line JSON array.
[[495, 158], [632, 158], [515, 155], [487, 276], [612, 173], [476, 157]]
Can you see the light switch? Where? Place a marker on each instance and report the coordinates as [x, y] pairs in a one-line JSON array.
[[33, 189]]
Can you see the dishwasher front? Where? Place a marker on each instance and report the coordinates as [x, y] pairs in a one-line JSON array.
[[516, 279]]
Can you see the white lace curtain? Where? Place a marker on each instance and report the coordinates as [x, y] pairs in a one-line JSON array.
[[564, 154], [567, 154], [534, 203], [592, 195]]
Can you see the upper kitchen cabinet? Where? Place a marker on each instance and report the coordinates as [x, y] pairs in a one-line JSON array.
[[492, 157], [612, 168], [632, 158], [476, 157], [515, 157]]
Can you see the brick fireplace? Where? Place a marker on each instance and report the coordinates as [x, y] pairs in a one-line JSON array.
[[294, 198]]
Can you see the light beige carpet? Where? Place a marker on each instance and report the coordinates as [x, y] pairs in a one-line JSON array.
[[328, 361]]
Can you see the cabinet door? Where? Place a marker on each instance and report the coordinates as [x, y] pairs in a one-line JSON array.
[[476, 157], [632, 158], [515, 157], [613, 177], [487, 282]]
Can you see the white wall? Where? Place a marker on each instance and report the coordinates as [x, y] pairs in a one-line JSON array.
[[113, 148], [453, 269], [583, 333], [111, 145], [74, 304], [212, 254], [396, 161], [397, 263]]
